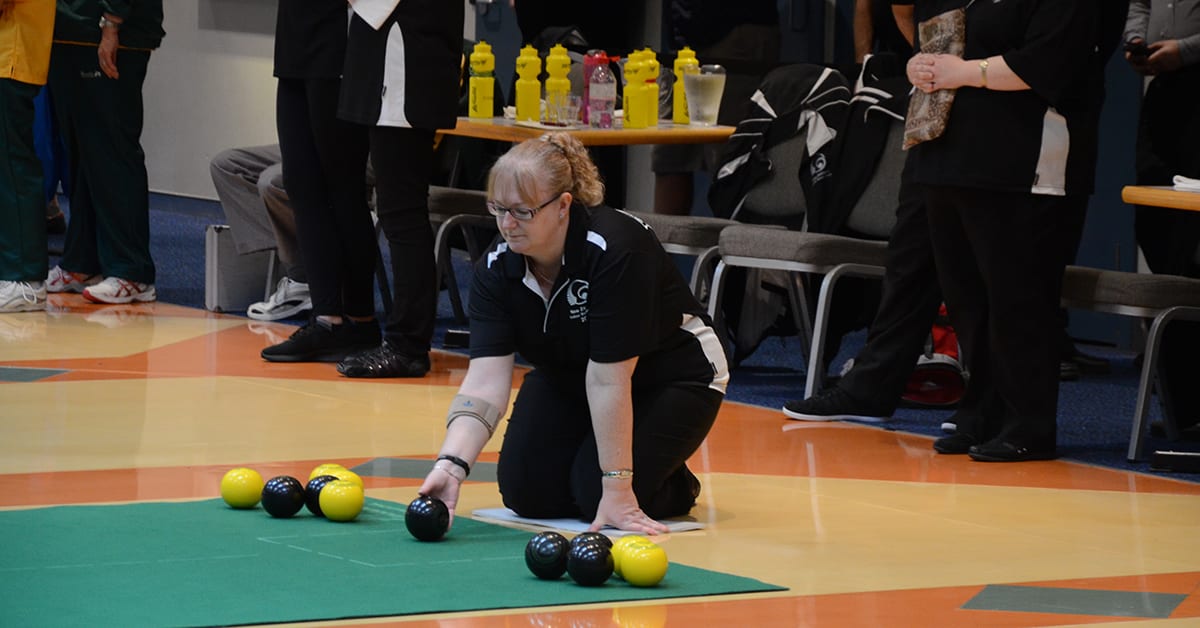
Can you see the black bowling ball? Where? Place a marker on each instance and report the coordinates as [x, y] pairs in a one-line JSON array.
[[592, 537], [589, 563], [283, 496], [312, 493], [546, 555], [427, 518]]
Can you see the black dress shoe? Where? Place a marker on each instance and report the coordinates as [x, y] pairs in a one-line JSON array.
[[1068, 371], [997, 450], [384, 361], [954, 444], [1090, 364]]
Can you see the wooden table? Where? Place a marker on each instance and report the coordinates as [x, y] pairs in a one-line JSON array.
[[1161, 196], [507, 130]]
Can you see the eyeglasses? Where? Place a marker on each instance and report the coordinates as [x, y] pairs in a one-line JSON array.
[[520, 213]]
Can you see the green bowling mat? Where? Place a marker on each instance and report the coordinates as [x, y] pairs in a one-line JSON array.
[[202, 563]]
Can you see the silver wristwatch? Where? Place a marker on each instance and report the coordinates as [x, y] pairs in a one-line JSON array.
[[107, 23]]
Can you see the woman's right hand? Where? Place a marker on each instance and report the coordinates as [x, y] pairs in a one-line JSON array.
[[442, 484]]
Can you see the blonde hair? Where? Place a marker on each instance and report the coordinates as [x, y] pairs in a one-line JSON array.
[[554, 161]]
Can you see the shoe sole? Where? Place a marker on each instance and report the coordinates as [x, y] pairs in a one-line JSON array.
[[822, 418], [1029, 458], [281, 313], [143, 298], [311, 357], [27, 307]]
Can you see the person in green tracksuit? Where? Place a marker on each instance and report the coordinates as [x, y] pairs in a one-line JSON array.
[[97, 68], [25, 30]]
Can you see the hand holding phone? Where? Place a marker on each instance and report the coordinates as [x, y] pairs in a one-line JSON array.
[[1137, 49]]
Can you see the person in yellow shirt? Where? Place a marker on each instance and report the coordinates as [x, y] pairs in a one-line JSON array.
[[26, 30]]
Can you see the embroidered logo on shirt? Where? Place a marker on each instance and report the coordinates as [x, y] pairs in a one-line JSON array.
[[577, 300]]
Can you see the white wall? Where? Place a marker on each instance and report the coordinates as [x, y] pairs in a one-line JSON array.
[[210, 88]]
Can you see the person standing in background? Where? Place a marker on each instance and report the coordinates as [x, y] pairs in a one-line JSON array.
[[97, 68], [880, 28], [996, 184], [744, 37], [26, 30], [1164, 46], [401, 83], [324, 161]]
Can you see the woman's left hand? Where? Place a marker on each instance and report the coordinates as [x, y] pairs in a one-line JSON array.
[[619, 508]]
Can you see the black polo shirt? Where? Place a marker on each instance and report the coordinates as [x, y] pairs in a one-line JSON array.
[[1016, 141], [619, 295], [310, 38]]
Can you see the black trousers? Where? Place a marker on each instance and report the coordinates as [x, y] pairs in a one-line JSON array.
[[1168, 144], [549, 465], [1000, 262], [101, 123], [22, 206], [907, 308], [911, 297], [324, 166], [403, 163]]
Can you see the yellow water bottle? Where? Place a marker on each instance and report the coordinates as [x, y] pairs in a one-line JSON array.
[[631, 96], [558, 86], [480, 101], [685, 63], [649, 98], [529, 88]]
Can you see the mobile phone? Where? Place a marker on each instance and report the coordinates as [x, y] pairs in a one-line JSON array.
[[1137, 48]]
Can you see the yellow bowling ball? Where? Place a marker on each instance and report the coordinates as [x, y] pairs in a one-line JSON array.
[[241, 487], [342, 500], [623, 545], [348, 475], [644, 566], [324, 469]]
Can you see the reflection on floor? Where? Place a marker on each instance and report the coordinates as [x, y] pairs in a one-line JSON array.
[[865, 527]]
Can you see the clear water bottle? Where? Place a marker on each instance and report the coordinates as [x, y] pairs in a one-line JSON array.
[[602, 95]]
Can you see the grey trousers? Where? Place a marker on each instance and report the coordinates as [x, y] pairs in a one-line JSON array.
[[249, 183]]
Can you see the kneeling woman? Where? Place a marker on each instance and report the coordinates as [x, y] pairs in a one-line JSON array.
[[628, 373]]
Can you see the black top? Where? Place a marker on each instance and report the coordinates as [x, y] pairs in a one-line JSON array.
[[619, 295], [888, 38], [1020, 140], [310, 38], [405, 74]]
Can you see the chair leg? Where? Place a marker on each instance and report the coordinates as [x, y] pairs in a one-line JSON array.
[[700, 272], [1150, 372], [270, 275], [816, 359], [714, 304]]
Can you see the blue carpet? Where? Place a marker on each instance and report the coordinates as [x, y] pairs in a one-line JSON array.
[[1095, 413]]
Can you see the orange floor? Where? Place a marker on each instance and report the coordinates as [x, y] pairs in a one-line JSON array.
[[865, 527]]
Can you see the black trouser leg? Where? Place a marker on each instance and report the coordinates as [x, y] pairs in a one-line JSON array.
[[22, 205], [907, 308], [1007, 300], [324, 169], [403, 163], [101, 122]]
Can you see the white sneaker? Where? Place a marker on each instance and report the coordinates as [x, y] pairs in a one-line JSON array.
[[117, 290], [22, 296], [289, 299], [60, 280]]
